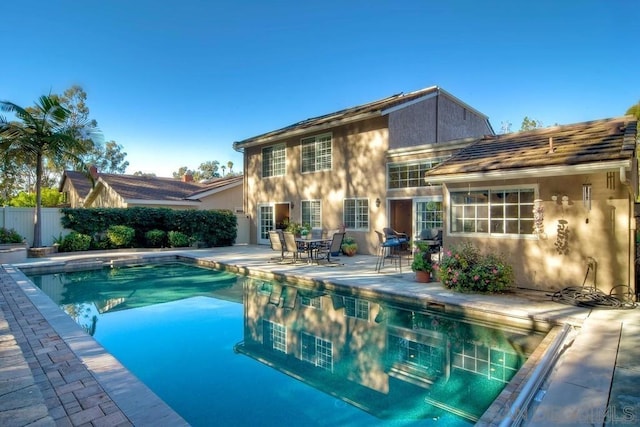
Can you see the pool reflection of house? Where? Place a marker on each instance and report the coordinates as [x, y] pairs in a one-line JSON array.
[[382, 359]]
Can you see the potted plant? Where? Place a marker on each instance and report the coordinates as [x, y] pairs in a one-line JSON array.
[[422, 264], [349, 246], [305, 231]]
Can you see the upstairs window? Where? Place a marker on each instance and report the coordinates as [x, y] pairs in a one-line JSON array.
[[316, 153], [410, 174], [273, 161]]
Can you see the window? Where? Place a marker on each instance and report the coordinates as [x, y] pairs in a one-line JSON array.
[[354, 307], [406, 175], [274, 336], [311, 213], [310, 301], [428, 215], [316, 351], [356, 214], [273, 161], [492, 211], [316, 153]]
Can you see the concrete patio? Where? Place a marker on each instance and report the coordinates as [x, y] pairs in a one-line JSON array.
[[52, 373]]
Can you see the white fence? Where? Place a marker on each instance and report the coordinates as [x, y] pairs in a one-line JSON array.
[[21, 220]]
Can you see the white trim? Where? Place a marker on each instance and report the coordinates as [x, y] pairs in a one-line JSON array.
[[213, 191], [560, 170], [162, 202], [412, 102]]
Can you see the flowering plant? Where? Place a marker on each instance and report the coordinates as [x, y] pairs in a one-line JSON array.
[[464, 269]]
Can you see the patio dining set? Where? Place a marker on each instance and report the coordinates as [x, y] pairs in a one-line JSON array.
[[310, 249]]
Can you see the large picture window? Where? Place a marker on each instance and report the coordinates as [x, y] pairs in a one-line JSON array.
[[356, 214], [273, 161], [411, 174], [316, 153], [311, 213], [493, 211]]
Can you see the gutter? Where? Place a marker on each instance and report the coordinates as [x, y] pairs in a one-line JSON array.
[[560, 170]]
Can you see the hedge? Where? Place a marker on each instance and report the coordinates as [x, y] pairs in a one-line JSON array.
[[213, 227]]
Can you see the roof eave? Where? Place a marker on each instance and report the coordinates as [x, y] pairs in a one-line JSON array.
[[162, 202], [238, 145], [560, 170]]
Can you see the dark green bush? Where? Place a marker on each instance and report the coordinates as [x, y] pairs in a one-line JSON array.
[[9, 236], [178, 239], [75, 241], [213, 227], [155, 238], [121, 236]]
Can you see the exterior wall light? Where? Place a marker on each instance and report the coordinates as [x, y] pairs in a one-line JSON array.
[[378, 202]]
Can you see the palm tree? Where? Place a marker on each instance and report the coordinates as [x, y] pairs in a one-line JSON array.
[[41, 132]]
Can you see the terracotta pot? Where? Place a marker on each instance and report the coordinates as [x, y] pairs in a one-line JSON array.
[[423, 276]]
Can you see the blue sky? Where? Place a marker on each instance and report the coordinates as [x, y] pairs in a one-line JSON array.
[[175, 83]]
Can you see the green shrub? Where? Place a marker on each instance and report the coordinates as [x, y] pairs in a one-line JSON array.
[[121, 236], [9, 236], [75, 241], [178, 239], [155, 238], [464, 269]]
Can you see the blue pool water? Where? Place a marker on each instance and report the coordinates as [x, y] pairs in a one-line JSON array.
[[227, 350]]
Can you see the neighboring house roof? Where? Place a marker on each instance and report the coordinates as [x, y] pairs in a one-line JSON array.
[[150, 189], [560, 150], [357, 113], [79, 180]]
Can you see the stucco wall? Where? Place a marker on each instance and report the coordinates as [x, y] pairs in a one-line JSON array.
[[358, 170], [601, 234]]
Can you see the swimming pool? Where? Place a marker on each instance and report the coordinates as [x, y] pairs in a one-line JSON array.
[[221, 348]]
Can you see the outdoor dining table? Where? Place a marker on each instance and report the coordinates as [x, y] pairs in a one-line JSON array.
[[310, 245]]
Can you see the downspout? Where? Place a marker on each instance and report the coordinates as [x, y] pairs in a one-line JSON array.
[[631, 248], [244, 180]]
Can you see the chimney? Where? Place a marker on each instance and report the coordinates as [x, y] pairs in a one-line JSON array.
[[187, 177], [93, 171]]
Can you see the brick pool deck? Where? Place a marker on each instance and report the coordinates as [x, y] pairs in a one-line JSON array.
[[54, 374]]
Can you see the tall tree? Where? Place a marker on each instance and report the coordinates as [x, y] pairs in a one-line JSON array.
[[41, 132], [530, 124], [634, 110], [208, 170]]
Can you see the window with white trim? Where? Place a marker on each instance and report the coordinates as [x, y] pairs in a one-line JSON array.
[[357, 308], [410, 174], [311, 213], [428, 214], [356, 214], [501, 211], [316, 351], [274, 336], [273, 160], [316, 153]]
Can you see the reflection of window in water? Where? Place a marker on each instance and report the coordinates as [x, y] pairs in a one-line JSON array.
[[274, 336], [354, 307], [490, 362], [315, 302], [423, 356], [316, 351], [265, 288]]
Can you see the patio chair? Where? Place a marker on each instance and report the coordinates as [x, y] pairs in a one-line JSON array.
[[277, 244], [291, 245], [324, 252], [388, 248]]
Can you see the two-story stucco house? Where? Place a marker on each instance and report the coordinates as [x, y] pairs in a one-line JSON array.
[[360, 167]]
